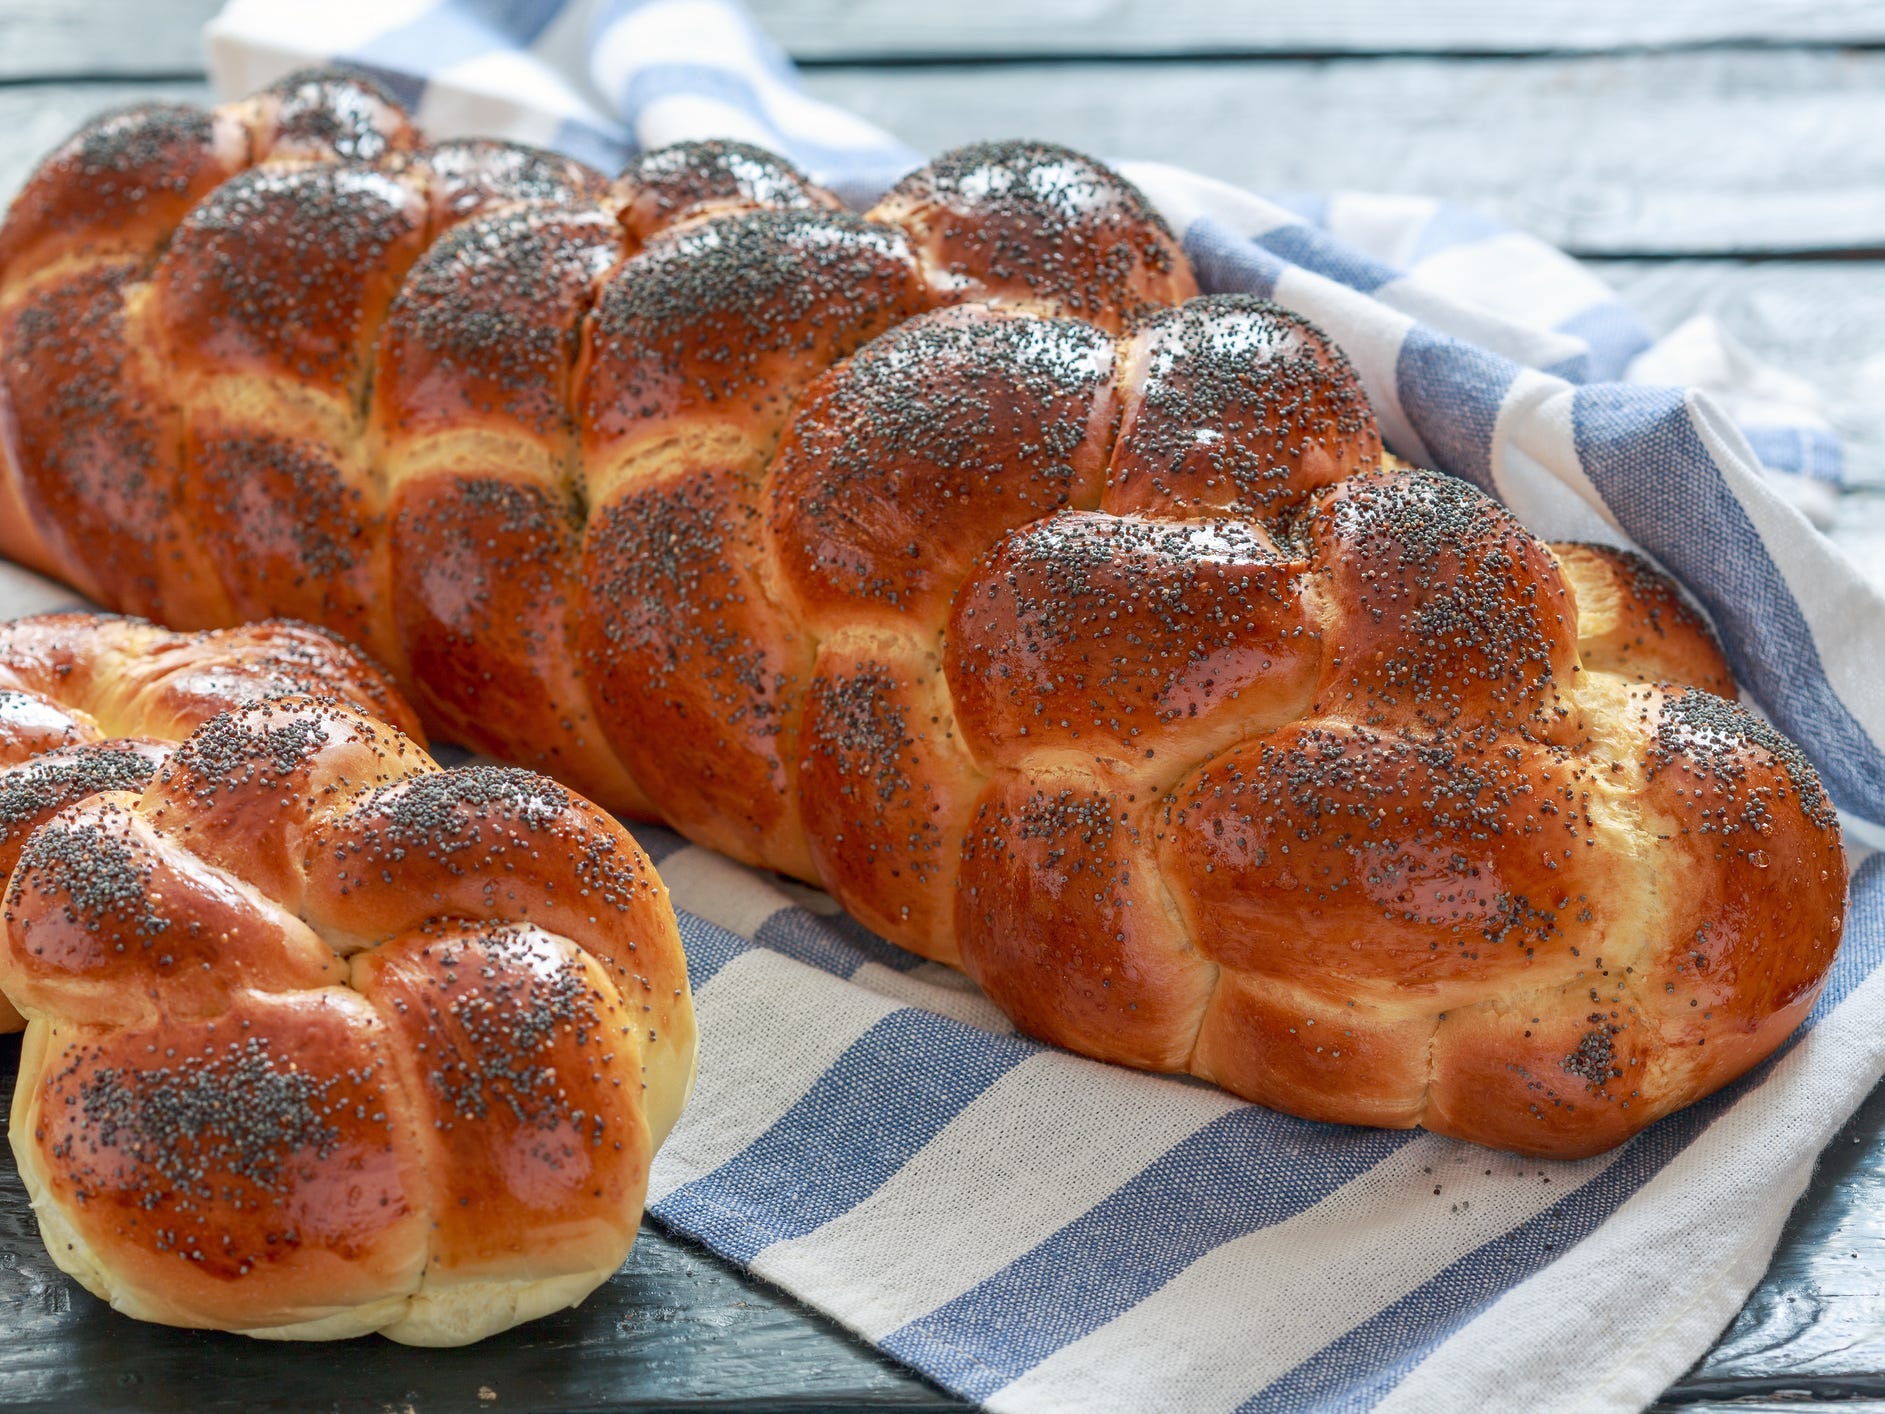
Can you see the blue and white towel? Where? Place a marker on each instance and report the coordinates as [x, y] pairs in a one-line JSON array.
[[1042, 1232]]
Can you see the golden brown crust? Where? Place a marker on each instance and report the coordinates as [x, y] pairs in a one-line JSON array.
[[1232, 403], [1040, 225], [1452, 868], [120, 184], [96, 450], [51, 777], [291, 530], [265, 306], [484, 330], [90, 455], [203, 1181], [131, 678], [474, 369], [221, 791], [1062, 919], [287, 271], [697, 679], [1738, 802], [906, 462], [1633, 621], [1317, 1051], [1444, 611], [31, 725], [92, 704], [326, 115], [109, 923], [726, 321], [525, 1052], [472, 176], [1144, 643], [887, 788], [50, 759], [224, 1122], [489, 605], [691, 181]]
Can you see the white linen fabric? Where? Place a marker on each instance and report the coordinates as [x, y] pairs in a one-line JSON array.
[[1041, 1232]]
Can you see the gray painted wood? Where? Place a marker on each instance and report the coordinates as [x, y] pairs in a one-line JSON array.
[[1698, 153], [1708, 153], [1812, 1334], [94, 38], [988, 28], [124, 37], [1693, 154]]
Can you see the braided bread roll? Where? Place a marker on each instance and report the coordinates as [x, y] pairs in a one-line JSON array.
[[90, 703], [321, 1039], [1069, 628]]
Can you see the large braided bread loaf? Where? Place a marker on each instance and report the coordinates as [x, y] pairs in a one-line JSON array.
[[1069, 628], [321, 1039]]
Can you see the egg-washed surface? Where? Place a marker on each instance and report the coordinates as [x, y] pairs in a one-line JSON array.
[[1067, 627], [320, 1039]]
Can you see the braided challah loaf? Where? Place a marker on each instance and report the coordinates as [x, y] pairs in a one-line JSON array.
[[321, 1039], [1070, 629]]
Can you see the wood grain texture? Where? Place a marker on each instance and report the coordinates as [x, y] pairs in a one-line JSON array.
[[1694, 154], [142, 37], [101, 38], [1708, 153], [991, 28]]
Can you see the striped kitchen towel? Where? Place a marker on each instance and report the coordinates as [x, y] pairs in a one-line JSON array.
[[1041, 1232]]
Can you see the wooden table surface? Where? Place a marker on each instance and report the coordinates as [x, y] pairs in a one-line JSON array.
[[1707, 156]]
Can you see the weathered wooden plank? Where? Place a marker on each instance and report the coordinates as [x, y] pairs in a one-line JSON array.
[[131, 37], [826, 29], [1708, 153], [100, 38], [1716, 152]]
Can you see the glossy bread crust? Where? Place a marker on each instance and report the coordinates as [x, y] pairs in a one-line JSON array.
[[320, 1039], [1041, 226], [92, 703], [1068, 626]]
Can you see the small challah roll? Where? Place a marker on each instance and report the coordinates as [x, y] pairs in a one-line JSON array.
[[320, 1039]]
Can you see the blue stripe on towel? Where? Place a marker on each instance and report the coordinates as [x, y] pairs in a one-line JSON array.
[[1640, 449], [878, 1104], [1247, 1170]]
